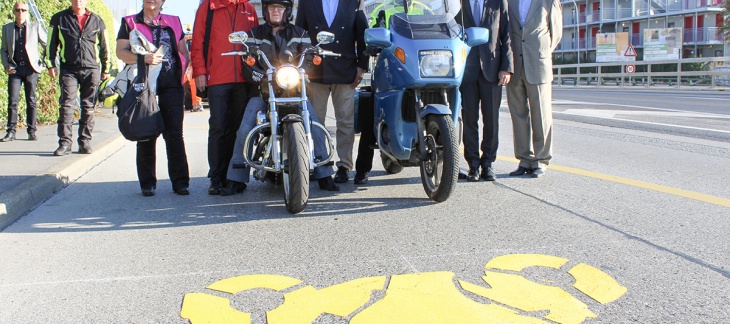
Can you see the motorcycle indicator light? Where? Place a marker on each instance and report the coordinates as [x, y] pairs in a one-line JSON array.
[[250, 61], [317, 60], [287, 77], [436, 63], [400, 54]]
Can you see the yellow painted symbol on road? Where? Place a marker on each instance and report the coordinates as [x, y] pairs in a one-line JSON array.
[[430, 297]]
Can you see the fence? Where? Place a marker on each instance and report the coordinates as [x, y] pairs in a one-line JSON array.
[[712, 72]]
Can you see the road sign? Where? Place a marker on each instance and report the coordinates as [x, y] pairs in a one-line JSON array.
[[630, 51], [630, 68]]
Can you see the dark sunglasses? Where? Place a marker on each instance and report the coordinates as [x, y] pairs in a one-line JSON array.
[[20, 10]]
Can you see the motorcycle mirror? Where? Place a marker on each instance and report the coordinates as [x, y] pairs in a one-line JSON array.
[[238, 37], [378, 37], [476, 36], [325, 38]]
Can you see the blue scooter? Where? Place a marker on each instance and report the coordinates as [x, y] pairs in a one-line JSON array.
[[415, 90]]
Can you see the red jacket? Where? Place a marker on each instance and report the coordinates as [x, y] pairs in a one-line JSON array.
[[228, 16]]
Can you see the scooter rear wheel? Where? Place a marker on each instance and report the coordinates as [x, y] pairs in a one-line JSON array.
[[440, 168], [296, 175]]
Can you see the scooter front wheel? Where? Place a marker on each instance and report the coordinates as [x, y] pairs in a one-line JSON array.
[[440, 167], [296, 174]]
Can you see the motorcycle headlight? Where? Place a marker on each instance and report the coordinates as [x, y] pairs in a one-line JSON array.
[[287, 77], [436, 63]]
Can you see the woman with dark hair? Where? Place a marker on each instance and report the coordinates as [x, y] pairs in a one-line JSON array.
[[166, 33]]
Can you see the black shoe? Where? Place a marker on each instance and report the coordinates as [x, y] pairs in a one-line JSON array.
[[182, 191], [148, 192], [520, 171], [328, 184], [341, 175], [361, 178], [488, 174], [32, 137], [62, 150], [473, 175], [9, 137], [538, 172], [215, 188], [462, 175], [232, 188], [85, 149]]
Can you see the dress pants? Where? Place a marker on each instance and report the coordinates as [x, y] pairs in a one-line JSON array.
[[75, 81], [170, 100], [486, 97], [28, 78], [366, 123], [530, 106], [227, 103], [343, 100]]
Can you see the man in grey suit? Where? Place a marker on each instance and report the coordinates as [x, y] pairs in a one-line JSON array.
[[488, 68], [536, 30], [23, 62]]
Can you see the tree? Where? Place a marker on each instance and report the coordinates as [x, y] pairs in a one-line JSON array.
[[47, 93]]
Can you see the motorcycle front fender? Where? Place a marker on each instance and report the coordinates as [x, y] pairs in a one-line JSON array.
[[434, 109]]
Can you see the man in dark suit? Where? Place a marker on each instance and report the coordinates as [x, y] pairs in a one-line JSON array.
[[337, 76], [22, 60], [488, 68]]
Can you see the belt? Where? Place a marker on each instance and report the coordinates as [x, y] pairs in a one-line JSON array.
[[22, 63]]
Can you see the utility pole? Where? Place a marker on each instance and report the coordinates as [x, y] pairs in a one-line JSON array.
[[577, 40]]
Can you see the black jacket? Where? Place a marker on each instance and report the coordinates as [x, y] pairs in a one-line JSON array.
[[496, 55], [76, 48], [349, 28]]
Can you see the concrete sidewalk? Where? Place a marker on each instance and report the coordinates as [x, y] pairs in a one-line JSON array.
[[31, 173]]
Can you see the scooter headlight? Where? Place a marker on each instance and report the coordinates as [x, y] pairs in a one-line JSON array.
[[437, 63], [287, 77]]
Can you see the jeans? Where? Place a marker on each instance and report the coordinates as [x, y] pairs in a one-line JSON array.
[[26, 76], [255, 105], [84, 82]]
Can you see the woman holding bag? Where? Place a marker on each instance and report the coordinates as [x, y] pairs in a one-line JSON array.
[[166, 33]]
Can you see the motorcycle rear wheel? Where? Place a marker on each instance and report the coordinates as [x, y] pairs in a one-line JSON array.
[[440, 170], [296, 174]]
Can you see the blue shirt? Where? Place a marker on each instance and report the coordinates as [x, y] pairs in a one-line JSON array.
[[330, 10], [524, 8]]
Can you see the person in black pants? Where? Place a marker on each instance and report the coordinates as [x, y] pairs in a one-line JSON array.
[[365, 151], [165, 32]]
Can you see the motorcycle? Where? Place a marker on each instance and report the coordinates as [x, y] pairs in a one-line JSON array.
[[415, 90], [280, 146]]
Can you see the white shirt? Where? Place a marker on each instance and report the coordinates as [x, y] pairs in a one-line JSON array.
[[330, 10], [524, 8]]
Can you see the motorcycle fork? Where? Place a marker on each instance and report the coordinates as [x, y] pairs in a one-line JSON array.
[[420, 126]]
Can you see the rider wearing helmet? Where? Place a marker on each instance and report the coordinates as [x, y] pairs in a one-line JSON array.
[[280, 41]]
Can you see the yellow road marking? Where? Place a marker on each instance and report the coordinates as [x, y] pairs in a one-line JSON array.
[[636, 183]]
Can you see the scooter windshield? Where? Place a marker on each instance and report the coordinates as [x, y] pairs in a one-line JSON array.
[[423, 19]]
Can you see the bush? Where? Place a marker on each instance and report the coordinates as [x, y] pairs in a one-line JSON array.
[[47, 92]]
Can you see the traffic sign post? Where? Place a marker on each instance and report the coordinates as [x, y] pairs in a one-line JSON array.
[[630, 68]]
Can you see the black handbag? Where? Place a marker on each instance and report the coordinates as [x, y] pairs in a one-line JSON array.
[[139, 115]]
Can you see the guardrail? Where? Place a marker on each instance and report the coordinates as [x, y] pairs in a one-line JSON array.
[[713, 72]]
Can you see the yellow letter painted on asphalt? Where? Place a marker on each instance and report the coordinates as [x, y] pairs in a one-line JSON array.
[[204, 308], [238, 284], [596, 283]]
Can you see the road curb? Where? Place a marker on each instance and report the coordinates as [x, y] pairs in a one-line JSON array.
[[25, 197]]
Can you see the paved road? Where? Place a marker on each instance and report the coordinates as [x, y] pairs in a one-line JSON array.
[[630, 224]]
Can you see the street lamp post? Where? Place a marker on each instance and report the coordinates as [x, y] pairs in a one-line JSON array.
[[577, 40]]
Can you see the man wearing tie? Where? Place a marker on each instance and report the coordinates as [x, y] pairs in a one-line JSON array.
[[536, 30], [488, 67]]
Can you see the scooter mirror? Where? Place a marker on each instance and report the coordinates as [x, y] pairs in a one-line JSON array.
[[325, 38], [238, 37], [475, 36], [378, 37]]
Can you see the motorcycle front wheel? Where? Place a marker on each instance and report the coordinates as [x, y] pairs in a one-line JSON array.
[[440, 168], [296, 173]]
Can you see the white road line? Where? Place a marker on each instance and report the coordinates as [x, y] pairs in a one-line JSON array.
[[649, 123]]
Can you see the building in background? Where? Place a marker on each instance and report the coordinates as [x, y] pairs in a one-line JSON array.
[[121, 8], [697, 20]]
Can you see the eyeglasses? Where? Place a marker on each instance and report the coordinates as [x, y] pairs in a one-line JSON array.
[[277, 8], [20, 10]]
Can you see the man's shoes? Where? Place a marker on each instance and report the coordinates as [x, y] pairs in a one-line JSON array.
[[520, 171], [182, 191], [328, 184], [462, 175], [361, 178], [488, 174], [341, 175], [215, 187], [9, 137], [473, 175], [32, 137], [232, 188], [62, 150], [148, 192], [85, 149], [538, 172]]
